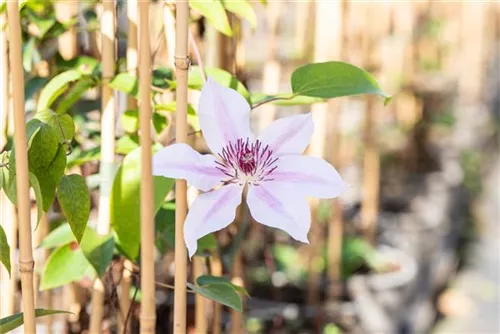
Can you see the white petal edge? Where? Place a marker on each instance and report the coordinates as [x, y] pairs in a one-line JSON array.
[[288, 135], [310, 176], [210, 212], [181, 161], [224, 116], [280, 206]]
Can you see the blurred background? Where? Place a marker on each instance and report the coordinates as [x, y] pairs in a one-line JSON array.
[[412, 247]]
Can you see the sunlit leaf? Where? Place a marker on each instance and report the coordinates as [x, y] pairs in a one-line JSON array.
[[98, 249], [215, 14], [334, 79], [63, 125], [242, 9], [4, 250], [209, 279], [56, 86], [125, 202], [66, 264]]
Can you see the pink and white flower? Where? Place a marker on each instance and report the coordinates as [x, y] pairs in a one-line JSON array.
[[271, 167]]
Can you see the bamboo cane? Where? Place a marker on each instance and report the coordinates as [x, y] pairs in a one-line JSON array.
[[216, 270], [148, 309], [181, 68], [7, 209], [272, 68], [126, 281], [108, 120], [327, 13], [26, 262], [200, 312]]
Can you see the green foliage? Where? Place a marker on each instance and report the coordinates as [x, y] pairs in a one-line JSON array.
[[60, 236], [65, 265], [127, 144], [11, 322], [125, 82], [4, 250], [74, 198], [63, 125], [165, 232], [56, 86], [222, 293], [214, 12], [208, 279], [283, 99], [242, 9], [98, 249], [222, 77], [125, 202], [334, 79], [75, 93]]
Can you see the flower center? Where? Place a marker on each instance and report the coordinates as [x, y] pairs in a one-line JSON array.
[[244, 162]]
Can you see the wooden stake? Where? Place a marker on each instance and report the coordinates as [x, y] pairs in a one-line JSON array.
[[200, 312], [216, 270], [126, 282], [182, 63], [148, 307], [26, 263], [108, 121], [272, 68]]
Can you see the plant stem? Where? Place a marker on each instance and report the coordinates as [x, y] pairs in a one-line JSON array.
[[108, 121], [181, 69], [148, 308], [197, 55], [129, 312], [200, 316], [26, 262], [271, 99]]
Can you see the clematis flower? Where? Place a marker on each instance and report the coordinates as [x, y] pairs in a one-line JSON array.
[[277, 177]]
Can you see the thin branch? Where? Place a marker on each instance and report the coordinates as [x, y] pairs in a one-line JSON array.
[[272, 99], [130, 310], [171, 141], [197, 55]]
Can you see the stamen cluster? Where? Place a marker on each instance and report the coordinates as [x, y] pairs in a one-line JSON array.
[[245, 162]]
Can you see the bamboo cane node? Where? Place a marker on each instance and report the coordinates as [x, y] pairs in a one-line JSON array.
[[182, 63], [26, 266]]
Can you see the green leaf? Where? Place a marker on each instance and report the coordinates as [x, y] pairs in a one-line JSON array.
[[130, 120], [222, 293], [56, 86], [215, 14], [33, 85], [13, 321], [161, 76], [125, 202], [171, 107], [224, 78], [86, 65], [65, 265], [4, 250], [28, 49], [46, 160], [209, 279], [63, 125], [125, 82], [159, 122], [127, 144], [60, 236], [74, 198], [284, 99], [165, 232], [98, 249], [333, 79], [38, 196], [79, 157], [74, 94], [242, 9], [49, 176]]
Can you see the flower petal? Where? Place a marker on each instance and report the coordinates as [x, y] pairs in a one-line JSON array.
[[288, 135], [224, 116], [211, 212], [180, 161], [279, 205], [309, 175]]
